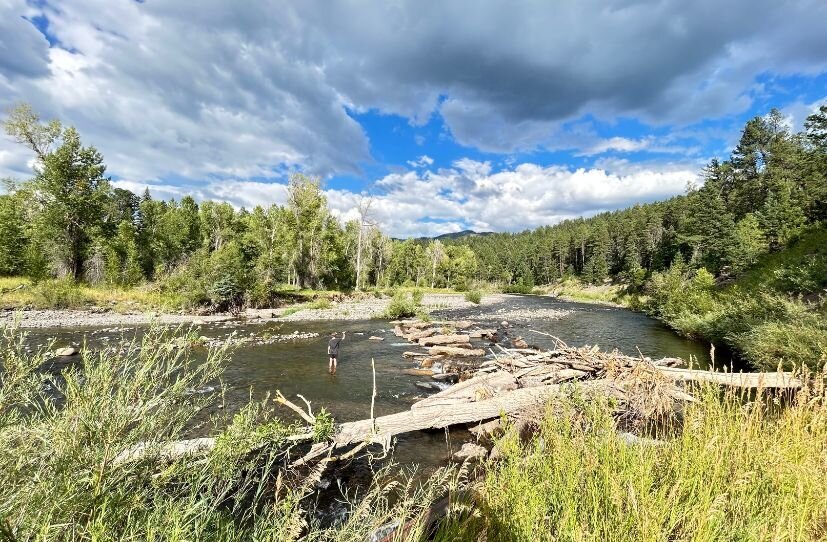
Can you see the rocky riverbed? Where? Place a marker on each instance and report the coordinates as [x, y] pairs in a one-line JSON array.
[[98, 317], [349, 309]]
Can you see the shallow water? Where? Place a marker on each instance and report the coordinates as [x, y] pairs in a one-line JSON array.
[[300, 366]]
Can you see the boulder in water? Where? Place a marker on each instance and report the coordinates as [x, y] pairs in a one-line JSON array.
[[470, 452], [66, 351]]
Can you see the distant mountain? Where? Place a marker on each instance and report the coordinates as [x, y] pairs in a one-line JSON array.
[[461, 234], [451, 236]]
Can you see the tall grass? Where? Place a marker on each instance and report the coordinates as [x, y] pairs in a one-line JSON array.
[[736, 471], [63, 439]]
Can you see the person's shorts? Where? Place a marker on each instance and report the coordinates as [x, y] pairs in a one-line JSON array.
[[332, 356]]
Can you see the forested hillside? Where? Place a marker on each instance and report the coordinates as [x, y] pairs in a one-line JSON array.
[[773, 185], [740, 260]]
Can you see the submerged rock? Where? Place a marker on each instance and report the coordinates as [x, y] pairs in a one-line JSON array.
[[470, 452], [66, 351]]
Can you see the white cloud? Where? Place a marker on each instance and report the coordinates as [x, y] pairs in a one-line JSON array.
[[796, 113], [621, 144], [471, 195], [422, 161]]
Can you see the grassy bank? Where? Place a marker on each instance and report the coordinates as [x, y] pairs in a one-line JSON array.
[[774, 313], [733, 471], [736, 471], [60, 479]]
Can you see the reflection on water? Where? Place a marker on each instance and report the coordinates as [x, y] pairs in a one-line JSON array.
[[301, 366]]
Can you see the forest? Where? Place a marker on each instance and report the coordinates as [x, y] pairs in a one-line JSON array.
[[742, 250]]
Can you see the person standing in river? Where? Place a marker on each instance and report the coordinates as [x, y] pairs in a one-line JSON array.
[[333, 350]]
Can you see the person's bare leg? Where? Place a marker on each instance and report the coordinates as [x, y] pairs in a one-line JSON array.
[[334, 365], [330, 365]]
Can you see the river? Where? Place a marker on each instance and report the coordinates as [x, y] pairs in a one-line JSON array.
[[300, 366]]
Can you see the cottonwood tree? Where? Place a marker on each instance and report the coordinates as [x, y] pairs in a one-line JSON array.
[[69, 188]]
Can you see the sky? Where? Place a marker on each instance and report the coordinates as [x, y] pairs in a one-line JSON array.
[[497, 116]]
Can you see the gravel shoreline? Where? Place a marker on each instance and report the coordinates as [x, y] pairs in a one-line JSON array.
[[363, 309]]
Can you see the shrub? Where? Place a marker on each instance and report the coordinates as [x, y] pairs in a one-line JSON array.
[[320, 303], [59, 294], [402, 305], [417, 295], [518, 289], [473, 296]]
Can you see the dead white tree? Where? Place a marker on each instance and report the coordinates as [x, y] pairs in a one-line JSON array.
[[365, 203]]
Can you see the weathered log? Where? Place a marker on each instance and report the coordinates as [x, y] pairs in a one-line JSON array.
[[415, 354], [455, 351], [416, 335], [780, 380], [418, 372], [437, 340], [472, 389], [442, 416], [480, 333]]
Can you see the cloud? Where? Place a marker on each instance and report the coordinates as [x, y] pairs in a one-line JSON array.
[[471, 195], [24, 51], [208, 88], [422, 161]]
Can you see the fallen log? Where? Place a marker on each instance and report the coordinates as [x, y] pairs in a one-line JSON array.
[[471, 389], [416, 335], [415, 354], [384, 428], [455, 351], [780, 380], [437, 340]]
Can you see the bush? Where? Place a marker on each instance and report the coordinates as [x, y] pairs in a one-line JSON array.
[[789, 345], [321, 303], [473, 296], [417, 295], [518, 289], [59, 294], [402, 305]]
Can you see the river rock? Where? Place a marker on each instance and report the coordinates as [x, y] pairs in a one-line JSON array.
[[375, 338], [470, 452], [66, 351], [430, 386], [450, 378]]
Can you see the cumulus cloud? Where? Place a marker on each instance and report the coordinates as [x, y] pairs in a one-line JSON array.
[[471, 195]]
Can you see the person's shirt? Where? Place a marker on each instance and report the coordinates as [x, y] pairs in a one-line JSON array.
[[333, 345]]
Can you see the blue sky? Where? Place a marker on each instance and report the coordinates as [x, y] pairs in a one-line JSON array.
[[498, 116]]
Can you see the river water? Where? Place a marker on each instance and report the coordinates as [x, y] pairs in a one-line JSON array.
[[300, 366]]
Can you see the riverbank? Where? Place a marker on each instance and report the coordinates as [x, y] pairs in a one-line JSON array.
[[363, 307]]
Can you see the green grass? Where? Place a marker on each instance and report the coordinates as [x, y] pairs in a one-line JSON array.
[[737, 471], [18, 293], [60, 480], [774, 314]]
